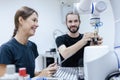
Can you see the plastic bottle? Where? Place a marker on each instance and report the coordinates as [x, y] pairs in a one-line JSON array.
[[10, 73], [23, 75]]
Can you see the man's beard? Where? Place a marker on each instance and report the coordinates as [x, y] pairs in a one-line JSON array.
[[73, 31]]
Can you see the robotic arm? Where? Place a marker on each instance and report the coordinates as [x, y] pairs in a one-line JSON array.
[[90, 7], [87, 7], [93, 8]]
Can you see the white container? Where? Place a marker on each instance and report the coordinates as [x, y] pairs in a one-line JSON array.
[[10, 73]]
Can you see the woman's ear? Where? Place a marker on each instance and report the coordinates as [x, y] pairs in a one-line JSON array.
[[20, 19]]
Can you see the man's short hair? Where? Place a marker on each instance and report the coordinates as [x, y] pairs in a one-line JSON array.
[[73, 14]]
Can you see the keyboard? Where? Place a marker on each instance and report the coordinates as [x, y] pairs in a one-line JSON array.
[[69, 73]]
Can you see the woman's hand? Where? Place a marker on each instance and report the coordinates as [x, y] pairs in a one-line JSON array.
[[49, 71]]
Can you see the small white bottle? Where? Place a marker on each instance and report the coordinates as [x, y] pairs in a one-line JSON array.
[[10, 73], [23, 75]]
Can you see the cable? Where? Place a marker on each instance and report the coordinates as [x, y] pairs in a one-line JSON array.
[[117, 60], [116, 47], [114, 75], [117, 56]]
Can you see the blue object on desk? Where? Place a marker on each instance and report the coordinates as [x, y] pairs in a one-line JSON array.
[[39, 78]]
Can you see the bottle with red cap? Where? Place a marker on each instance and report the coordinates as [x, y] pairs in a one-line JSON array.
[[23, 75]]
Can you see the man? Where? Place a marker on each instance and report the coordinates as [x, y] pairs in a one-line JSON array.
[[71, 45]]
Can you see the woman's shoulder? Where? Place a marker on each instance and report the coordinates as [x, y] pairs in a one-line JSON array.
[[7, 45]]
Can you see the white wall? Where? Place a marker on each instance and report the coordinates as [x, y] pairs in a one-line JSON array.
[[49, 20]]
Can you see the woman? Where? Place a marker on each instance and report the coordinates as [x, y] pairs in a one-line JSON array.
[[21, 51]]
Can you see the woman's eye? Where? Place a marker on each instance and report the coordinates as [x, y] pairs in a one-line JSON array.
[[35, 20]]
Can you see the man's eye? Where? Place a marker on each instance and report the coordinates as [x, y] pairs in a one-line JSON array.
[[70, 21], [76, 21]]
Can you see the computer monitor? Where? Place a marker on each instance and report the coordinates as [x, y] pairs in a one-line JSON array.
[[99, 61]]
